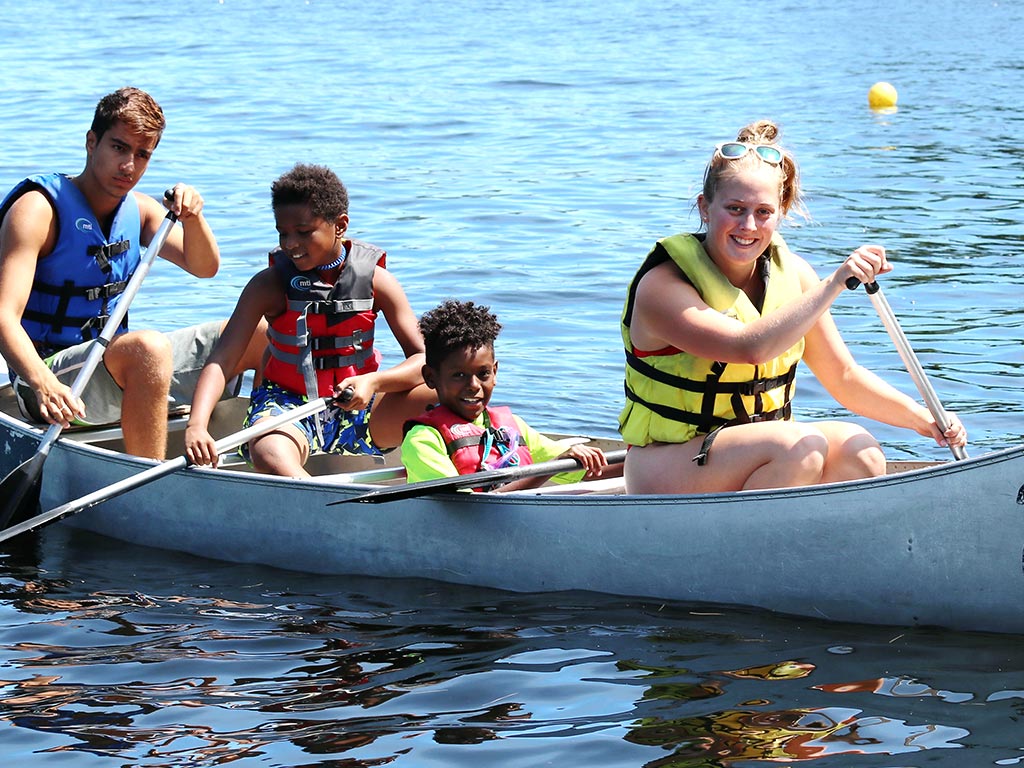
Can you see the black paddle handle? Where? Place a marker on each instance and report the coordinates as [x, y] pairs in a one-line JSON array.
[[853, 284]]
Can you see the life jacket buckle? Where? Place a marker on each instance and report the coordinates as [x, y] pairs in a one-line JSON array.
[[756, 387], [104, 291]]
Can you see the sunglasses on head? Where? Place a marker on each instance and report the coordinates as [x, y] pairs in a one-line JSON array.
[[734, 150]]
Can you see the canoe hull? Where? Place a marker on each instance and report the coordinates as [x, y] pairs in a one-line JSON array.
[[939, 546]]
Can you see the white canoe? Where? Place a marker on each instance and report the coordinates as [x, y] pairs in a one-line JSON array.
[[936, 543]]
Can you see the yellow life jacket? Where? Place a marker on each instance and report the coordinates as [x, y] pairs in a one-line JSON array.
[[673, 396]]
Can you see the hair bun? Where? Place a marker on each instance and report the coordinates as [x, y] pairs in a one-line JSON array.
[[759, 132]]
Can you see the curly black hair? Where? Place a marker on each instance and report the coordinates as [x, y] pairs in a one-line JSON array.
[[456, 325], [314, 185]]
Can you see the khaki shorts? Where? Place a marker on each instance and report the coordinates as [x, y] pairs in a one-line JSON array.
[[102, 396]]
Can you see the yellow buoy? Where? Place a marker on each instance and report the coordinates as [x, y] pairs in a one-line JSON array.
[[882, 96]]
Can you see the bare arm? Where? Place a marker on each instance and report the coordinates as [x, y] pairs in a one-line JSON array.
[[669, 311], [29, 233], [861, 391], [392, 302], [261, 297], [193, 246]]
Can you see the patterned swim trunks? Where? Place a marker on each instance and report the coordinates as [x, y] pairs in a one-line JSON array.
[[344, 432]]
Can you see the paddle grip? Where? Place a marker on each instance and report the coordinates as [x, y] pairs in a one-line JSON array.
[[853, 283], [346, 394], [169, 197]]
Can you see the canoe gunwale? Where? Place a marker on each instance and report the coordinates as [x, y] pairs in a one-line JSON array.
[[82, 446]]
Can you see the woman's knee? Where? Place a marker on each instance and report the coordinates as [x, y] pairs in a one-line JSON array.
[[855, 454], [801, 454], [810, 445]]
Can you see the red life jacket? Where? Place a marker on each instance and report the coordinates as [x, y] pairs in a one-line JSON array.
[[326, 333], [466, 442]]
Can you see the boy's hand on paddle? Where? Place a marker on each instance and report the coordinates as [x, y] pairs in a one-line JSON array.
[[591, 458], [361, 391], [200, 447], [56, 403], [184, 201]]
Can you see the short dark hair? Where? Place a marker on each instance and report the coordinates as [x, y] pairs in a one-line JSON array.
[[455, 325], [314, 185], [133, 107]]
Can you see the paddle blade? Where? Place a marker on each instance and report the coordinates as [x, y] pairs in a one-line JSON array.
[[19, 491]]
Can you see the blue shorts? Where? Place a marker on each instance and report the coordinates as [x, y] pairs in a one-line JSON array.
[[344, 432]]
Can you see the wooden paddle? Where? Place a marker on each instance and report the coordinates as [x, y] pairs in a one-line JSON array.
[[486, 479], [165, 468], [910, 360], [20, 489]]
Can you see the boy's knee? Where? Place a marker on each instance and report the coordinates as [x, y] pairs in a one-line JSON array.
[[143, 346], [145, 354]]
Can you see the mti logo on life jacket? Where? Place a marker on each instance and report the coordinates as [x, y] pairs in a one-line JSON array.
[[83, 225], [463, 430], [301, 283]]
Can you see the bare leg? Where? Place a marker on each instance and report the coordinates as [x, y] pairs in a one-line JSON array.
[[392, 409], [744, 457], [281, 452], [140, 362], [852, 452]]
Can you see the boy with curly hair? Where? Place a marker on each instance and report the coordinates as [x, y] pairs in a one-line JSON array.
[[464, 434]]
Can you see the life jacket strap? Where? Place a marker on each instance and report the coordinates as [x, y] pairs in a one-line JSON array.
[[104, 253], [358, 340], [331, 307], [751, 387], [90, 326], [322, 362]]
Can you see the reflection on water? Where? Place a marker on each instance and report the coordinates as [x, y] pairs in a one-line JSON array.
[[290, 669], [732, 736]]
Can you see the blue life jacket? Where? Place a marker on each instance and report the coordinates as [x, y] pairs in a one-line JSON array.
[[80, 282]]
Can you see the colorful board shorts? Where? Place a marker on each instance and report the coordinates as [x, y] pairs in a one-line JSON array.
[[344, 432], [102, 396]]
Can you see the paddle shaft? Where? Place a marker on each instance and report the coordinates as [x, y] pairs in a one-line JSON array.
[[910, 361], [21, 481], [165, 468], [483, 479]]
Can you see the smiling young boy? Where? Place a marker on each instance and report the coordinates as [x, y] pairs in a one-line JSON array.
[[320, 297], [464, 433]]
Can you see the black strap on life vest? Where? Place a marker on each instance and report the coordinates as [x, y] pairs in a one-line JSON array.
[[499, 436], [711, 387], [104, 253], [89, 325]]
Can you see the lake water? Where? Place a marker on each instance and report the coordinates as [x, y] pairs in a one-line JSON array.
[[527, 155]]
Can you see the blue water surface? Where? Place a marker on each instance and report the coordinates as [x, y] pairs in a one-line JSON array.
[[527, 155]]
